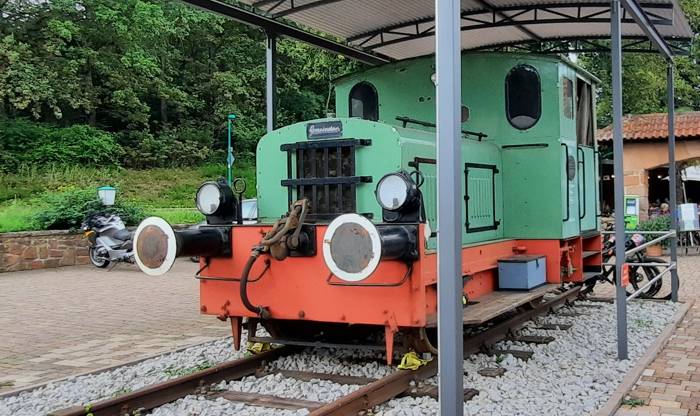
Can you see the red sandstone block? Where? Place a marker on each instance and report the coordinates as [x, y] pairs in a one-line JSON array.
[[37, 264], [52, 262], [29, 253]]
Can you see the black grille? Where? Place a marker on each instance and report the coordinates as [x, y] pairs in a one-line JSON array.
[[324, 172]]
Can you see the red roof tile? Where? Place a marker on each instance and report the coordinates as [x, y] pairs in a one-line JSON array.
[[654, 126]]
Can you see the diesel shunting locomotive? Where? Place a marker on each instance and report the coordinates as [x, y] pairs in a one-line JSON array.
[[345, 241]]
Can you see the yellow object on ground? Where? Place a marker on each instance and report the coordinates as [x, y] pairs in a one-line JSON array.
[[411, 361], [258, 347]]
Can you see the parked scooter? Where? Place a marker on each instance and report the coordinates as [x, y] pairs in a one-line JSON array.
[[109, 239]]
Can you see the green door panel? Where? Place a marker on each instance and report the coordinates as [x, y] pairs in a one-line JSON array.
[[588, 192]]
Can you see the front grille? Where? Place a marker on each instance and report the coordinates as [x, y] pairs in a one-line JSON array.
[[323, 171]]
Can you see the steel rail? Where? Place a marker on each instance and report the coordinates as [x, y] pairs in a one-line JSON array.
[[399, 382], [370, 395], [159, 394]]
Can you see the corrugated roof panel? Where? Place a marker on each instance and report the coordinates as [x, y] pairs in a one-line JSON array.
[[348, 19]]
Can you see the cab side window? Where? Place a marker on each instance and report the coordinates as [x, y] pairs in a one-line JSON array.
[[523, 97], [584, 113], [364, 102]]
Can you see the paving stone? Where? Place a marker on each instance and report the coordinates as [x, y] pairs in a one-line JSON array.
[[672, 380], [94, 318]]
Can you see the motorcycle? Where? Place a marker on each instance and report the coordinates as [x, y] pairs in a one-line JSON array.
[[638, 275], [109, 240]]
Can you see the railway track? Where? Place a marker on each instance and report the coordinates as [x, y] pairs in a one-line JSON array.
[[372, 393]]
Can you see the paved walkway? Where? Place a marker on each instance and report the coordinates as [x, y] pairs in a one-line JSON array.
[[671, 383], [59, 322]]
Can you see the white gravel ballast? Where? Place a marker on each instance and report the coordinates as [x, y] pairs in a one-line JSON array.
[[94, 387], [573, 375]]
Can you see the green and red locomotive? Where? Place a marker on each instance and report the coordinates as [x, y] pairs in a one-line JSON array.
[[346, 231]]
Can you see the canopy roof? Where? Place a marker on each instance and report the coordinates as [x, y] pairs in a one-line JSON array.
[[401, 29]]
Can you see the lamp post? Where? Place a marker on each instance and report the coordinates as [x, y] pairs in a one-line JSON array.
[[229, 149]]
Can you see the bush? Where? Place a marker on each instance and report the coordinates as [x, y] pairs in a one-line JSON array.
[[184, 146], [23, 142], [660, 223], [68, 208]]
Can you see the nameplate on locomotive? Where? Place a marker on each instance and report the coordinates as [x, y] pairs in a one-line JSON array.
[[324, 130]]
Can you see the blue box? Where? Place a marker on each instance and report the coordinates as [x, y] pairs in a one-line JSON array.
[[522, 271]]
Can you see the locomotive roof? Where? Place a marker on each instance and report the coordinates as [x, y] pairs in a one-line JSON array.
[[386, 30], [551, 58]]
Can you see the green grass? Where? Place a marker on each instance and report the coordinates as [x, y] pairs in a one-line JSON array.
[[17, 215], [177, 215], [163, 192]]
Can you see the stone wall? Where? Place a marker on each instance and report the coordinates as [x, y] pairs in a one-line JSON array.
[[41, 249]]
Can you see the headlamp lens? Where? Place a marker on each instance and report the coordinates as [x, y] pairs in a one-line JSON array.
[[208, 198], [392, 192]]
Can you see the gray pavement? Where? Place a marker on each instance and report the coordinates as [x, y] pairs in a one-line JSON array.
[[59, 322]]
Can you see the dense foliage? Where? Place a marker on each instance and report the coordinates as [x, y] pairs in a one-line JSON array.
[[160, 75], [68, 208], [25, 143], [644, 77]]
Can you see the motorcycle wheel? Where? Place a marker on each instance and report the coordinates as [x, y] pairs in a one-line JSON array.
[[96, 260]]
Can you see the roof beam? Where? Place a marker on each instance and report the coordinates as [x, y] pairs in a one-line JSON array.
[[274, 26], [639, 16], [532, 35], [638, 44], [307, 6], [488, 17]]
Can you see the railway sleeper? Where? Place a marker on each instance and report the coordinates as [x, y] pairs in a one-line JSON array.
[[532, 339], [309, 375], [429, 390], [554, 327], [268, 400], [520, 354]]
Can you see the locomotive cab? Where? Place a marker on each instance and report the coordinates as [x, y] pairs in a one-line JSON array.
[[345, 241]]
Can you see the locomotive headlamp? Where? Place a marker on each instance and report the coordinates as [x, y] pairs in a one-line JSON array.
[[396, 191], [353, 246], [216, 201]]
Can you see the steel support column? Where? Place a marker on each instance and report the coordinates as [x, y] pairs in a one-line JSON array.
[[672, 177], [619, 182], [271, 84], [449, 237]]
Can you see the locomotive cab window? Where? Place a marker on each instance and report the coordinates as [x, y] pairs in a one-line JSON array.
[[523, 97], [584, 113], [364, 102]]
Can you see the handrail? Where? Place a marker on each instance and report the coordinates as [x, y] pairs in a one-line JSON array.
[[405, 120], [651, 282], [650, 243], [639, 264], [639, 232], [582, 179], [566, 173]]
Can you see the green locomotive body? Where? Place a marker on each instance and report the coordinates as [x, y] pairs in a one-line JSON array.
[[522, 183], [347, 205]]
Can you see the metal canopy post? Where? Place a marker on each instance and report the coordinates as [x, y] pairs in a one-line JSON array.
[[271, 81], [620, 292], [672, 177], [449, 237]]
